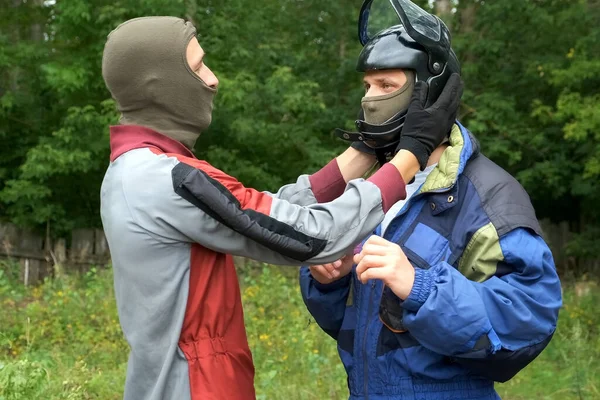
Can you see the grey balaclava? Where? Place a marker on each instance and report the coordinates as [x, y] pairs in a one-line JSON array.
[[380, 109], [146, 70]]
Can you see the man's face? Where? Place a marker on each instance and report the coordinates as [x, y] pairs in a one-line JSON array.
[[195, 58], [378, 83]]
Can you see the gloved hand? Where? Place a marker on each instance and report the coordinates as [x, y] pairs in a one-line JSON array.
[[426, 128]]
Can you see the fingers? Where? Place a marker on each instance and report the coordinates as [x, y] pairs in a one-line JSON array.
[[419, 96], [377, 240], [373, 273], [328, 271], [371, 261], [375, 249], [332, 269], [452, 93], [375, 245], [457, 91], [378, 254]]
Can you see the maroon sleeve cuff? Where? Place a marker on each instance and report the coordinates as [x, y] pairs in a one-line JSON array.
[[328, 183], [390, 183]]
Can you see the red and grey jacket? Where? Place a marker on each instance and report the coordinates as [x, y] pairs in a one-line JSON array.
[[173, 223]]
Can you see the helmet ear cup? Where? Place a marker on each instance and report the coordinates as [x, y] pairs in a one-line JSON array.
[[435, 86], [437, 83]]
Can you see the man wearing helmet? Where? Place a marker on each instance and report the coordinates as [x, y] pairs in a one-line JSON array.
[[456, 288]]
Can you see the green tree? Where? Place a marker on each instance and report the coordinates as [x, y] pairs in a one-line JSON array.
[[287, 71]]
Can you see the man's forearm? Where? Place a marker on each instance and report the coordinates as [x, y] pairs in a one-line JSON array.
[[330, 182], [407, 164], [354, 164]]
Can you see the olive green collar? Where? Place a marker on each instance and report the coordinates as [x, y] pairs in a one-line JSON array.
[[446, 172]]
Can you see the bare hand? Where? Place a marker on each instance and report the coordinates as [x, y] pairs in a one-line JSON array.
[[328, 273], [384, 260]]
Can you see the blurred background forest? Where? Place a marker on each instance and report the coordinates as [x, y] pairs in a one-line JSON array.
[[287, 73]]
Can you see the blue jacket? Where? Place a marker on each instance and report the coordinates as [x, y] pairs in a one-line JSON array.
[[485, 299]]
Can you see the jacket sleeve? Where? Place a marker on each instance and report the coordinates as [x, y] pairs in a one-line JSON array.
[[195, 202], [326, 303], [323, 186], [495, 327]]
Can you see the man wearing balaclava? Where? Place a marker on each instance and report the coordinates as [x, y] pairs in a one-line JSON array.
[[456, 289], [173, 222]]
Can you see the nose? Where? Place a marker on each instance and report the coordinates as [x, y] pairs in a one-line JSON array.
[[210, 79]]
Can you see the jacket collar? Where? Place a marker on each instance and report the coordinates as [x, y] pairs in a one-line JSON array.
[[463, 147], [124, 138]]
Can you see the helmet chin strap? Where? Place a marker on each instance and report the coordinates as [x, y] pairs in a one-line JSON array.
[[385, 155], [383, 139]]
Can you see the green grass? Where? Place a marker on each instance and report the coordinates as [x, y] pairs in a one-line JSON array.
[[62, 340]]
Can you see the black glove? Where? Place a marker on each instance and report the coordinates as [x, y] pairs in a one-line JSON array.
[[426, 128]]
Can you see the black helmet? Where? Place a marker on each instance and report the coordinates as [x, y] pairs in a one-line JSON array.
[[405, 37]]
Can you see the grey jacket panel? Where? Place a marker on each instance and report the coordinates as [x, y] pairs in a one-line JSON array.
[[151, 288], [299, 193]]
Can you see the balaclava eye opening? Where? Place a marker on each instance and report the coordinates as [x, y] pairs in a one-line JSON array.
[[146, 71]]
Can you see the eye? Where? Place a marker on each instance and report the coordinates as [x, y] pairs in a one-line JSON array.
[[367, 87]]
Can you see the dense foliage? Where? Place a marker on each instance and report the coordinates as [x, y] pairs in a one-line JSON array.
[[287, 80]]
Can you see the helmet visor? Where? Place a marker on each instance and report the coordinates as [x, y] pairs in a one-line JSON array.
[[420, 20], [377, 15], [424, 28]]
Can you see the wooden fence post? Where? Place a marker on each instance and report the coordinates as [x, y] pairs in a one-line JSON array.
[[82, 248], [101, 250]]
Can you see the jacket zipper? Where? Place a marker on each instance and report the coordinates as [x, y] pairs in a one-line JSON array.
[[365, 355], [396, 237]]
